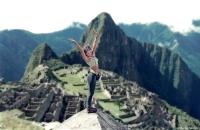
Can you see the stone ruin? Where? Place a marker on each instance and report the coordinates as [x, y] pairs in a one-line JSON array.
[[11, 99], [138, 104], [47, 102], [43, 103], [72, 106], [112, 84]]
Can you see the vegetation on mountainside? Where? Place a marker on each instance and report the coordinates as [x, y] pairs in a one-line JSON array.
[[40, 55]]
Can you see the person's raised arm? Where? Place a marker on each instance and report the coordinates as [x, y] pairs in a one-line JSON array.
[[94, 45], [79, 48]]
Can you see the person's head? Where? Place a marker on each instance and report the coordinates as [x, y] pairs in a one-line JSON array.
[[88, 50]]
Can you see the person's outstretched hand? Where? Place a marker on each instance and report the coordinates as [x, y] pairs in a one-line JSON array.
[[72, 40]]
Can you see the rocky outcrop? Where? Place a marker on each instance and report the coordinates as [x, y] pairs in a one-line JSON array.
[[81, 120], [186, 45], [153, 67]]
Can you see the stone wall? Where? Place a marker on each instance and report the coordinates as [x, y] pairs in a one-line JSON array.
[[45, 102]]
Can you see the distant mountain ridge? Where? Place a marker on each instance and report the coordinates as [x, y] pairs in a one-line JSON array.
[[157, 69], [16, 47], [187, 45], [58, 40], [20, 44]]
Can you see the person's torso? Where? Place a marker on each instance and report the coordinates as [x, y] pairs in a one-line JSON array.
[[93, 61]]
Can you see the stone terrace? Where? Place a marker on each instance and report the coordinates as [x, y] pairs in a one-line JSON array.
[[138, 104], [43, 103]]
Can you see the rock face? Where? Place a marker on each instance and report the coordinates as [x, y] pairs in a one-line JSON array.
[[40, 55], [186, 45], [81, 121], [91, 121], [155, 68]]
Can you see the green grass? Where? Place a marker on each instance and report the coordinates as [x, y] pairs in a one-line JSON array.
[[10, 121], [69, 88], [99, 95], [112, 107], [71, 79]]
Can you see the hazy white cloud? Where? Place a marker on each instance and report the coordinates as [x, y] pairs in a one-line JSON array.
[[51, 15]]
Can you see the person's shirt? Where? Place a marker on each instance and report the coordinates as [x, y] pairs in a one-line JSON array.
[[93, 61]]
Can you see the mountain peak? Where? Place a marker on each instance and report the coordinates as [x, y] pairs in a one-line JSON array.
[[102, 23], [46, 52], [102, 20], [105, 16], [41, 54], [147, 64]]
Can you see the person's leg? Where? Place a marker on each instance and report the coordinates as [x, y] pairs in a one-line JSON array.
[[91, 88]]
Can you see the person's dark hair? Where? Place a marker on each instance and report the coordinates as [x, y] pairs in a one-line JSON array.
[[86, 48]]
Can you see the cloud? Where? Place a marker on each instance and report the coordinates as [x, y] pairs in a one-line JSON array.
[[41, 16]]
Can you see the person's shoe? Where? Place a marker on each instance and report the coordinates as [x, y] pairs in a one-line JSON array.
[[92, 110]]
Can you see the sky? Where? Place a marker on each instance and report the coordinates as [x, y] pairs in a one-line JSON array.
[[43, 16]]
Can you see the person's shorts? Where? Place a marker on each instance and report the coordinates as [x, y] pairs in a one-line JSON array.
[[98, 76]]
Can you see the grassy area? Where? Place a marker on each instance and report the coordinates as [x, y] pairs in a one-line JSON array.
[[71, 81], [7, 86], [70, 89], [99, 95], [66, 76], [9, 121], [112, 107]]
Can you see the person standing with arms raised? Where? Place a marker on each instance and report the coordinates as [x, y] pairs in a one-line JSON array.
[[88, 55]]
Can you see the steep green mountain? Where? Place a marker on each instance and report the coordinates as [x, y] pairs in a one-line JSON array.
[[17, 45], [43, 59], [189, 49], [155, 33], [40, 55], [186, 45], [20, 43], [153, 67]]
